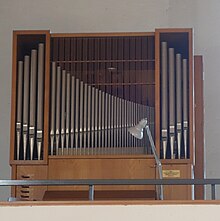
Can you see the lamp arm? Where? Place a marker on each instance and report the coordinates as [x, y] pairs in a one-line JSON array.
[[158, 162], [153, 148]]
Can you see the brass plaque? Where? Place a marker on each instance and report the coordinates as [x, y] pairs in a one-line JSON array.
[[171, 173]]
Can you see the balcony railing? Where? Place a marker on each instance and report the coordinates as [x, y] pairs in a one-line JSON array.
[[94, 182]]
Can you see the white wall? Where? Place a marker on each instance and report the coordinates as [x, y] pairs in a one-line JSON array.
[[112, 212], [111, 16]]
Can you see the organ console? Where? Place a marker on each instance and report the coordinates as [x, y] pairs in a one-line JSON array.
[[74, 96]]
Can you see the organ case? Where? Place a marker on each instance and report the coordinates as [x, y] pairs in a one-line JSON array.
[[75, 95]]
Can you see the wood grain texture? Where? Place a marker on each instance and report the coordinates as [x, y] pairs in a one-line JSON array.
[[13, 97], [157, 90], [101, 169], [199, 126], [191, 99], [31, 173], [103, 34], [13, 177], [100, 195], [109, 202], [46, 99], [178, 192]]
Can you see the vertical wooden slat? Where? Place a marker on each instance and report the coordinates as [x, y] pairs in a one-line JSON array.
[[108, 64], [102, 78], [79, 58], [191, 98], [55, 49], [46, 98], [13, 97], [96, 58], [73, 56], [120, 67], [144, 70], [151, 71], [157, 90], [114, 72], [126, 69], [199, 126], [152, 85], [132, 68], [67, 53], [61, 52], [90, 58], [138, 71], [13, 177], [84, 58]]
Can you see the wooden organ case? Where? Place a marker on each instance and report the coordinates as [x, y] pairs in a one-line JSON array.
[[75, 95]]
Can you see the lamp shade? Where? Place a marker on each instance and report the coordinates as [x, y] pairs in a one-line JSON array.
[[137, 130]]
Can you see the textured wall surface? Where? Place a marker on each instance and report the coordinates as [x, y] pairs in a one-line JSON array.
[[109, 212]]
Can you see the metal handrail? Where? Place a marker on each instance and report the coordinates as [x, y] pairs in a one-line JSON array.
[[92, 182]]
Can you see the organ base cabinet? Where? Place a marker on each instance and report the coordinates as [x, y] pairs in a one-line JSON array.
[[178, 171], [27, 172], [74, 96]]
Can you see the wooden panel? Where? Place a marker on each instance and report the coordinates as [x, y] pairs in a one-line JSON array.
[[100, 195], [113, 202], [13, 177], [13, 97], [191, 98], [31, 173], [157, 90], [178, 192], [46, 99], [199, 126], [101, 169], [115, 34]]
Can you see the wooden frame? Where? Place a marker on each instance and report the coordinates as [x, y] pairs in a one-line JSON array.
[[199, 127], [153, 50], [13, 96], [189, 33]]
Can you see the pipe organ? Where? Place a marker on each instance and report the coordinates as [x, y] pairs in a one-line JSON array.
[[74, 96]]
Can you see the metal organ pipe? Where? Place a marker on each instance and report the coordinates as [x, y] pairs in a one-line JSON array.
[[95, 122]]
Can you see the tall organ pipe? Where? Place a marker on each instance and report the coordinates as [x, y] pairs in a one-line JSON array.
[[52, 111], [164, 100], [172, 99], [58, 109], [40, 99], [33, 76], [19, 105], [179, 101], [185, 105], [25, 103]]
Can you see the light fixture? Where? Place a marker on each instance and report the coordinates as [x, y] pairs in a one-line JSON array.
[[137, 131]]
